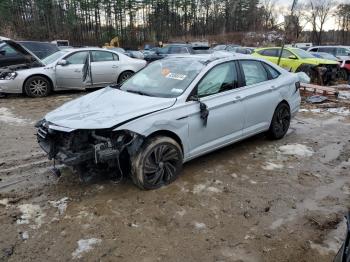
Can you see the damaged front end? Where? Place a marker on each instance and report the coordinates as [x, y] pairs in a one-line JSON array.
[[322, 74], [89, 152]]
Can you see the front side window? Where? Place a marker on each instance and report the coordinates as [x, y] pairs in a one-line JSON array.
[[102, 56], [254, 72], [269, 52], [77, 58], [221, 78], [286, 54]]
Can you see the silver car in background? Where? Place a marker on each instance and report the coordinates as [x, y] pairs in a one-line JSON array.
[[172, 111], [69, 69]]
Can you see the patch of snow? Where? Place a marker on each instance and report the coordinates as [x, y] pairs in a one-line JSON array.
[[296, 149], [276, 224], [199, 188], [234, 175], [4, 202], [272, 166], [198, 225], [181, 213], [61, 205], [30, 213], [253, 182], [344, 95], [339, 110], [25, 235], [303, 110], [8, 117], [214, 189], [84, 246]]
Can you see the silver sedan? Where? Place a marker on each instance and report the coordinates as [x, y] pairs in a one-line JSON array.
[[69, 69], [172, 111]]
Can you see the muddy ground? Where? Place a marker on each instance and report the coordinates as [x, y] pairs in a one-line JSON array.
[[257, 200]]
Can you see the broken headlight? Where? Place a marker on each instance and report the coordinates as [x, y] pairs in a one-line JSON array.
[[8, 76]]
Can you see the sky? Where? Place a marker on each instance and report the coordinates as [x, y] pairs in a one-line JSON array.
[[330, 23]]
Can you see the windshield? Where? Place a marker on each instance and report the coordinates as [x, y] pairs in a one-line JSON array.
[[302, 53], [164, 78], [52, 58]]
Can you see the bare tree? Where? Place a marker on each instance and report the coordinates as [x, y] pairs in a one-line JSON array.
[[269, 13], [319, 12]]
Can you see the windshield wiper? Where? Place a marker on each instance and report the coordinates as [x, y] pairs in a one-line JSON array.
[[137, 92]]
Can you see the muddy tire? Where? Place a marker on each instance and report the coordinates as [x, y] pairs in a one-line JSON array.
[[125, 76], [158, 163], [343, 74], [37, 86], [280, 122]]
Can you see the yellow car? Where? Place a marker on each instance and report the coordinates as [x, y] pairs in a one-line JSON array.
[[297, 60]]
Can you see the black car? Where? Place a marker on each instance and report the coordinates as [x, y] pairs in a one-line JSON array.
[[16, 53], [172, 49]]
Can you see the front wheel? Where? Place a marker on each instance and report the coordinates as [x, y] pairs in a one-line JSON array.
[[37, 86], [280, 122], [158, 163]]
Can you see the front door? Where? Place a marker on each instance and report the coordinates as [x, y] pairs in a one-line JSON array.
[[218, 91], [104, 68], [70, 76]]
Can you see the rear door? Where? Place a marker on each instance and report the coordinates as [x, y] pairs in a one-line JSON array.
[[259, 96], [71, 75], [217, 90], [104, 67]]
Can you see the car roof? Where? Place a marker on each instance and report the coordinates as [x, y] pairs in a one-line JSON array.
[[208, 58], [332, 46]]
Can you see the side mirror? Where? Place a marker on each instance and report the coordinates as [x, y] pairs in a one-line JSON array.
[[292, 57], [3, 52], [203, 109], [62, 62]]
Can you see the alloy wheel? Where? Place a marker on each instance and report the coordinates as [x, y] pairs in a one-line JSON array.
[[38, 87], [161, 165]]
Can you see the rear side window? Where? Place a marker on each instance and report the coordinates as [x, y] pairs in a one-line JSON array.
[[329, 50], [178, 50], [269, 52], [273, 72], [221, 78], [342, 51], [254, 72], [102, 56], [314, 50]]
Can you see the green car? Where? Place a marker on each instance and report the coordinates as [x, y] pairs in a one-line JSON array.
[[319, 70]]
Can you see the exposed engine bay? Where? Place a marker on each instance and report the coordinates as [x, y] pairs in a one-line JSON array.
[[90, 152], [320, 74]]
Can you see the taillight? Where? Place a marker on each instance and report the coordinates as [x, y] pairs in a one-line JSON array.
[[297, 86]]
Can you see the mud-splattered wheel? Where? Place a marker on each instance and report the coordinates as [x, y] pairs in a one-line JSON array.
[[158, 163], [280, 122], [37, 86]]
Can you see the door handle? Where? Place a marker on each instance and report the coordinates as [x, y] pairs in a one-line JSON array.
[[238, 97], [77, 71], [114, 66]]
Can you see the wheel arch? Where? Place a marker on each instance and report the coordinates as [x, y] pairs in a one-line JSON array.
[[42, 75], [170, 134], [125, 70]]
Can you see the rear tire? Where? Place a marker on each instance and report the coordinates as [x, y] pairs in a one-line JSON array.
[[158, 163], [125, 76], [280, 122], [37, 86]]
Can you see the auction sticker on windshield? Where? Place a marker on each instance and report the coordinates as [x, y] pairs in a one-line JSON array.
[[176, 76]]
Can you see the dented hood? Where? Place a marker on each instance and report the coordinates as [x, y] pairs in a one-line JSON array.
[[106, 108]]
